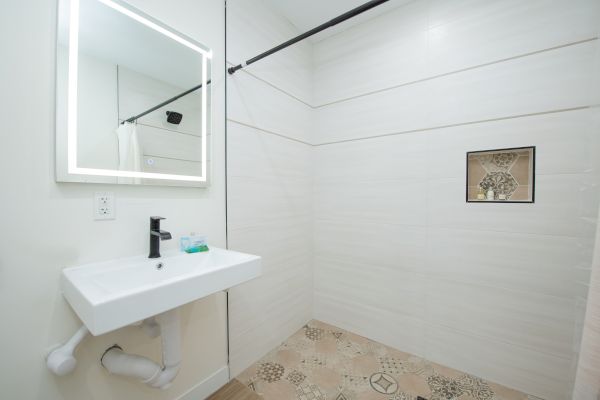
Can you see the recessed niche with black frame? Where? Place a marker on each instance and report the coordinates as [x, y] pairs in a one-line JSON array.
[[501, 175]]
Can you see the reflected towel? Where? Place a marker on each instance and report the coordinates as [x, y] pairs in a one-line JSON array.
[[129, 150]]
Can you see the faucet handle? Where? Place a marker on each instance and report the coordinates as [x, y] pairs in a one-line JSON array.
[[156, 218]]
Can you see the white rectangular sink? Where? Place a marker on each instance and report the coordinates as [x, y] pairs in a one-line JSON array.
[[109, 295]]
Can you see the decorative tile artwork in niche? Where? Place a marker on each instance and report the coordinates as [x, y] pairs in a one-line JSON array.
[[502, 175]]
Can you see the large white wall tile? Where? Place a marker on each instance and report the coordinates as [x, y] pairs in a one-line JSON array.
[[424, 39], [564, 207], [538, 322], [344, 64], [257, 104], [510, 260], [566, 143], [400, 157], [535, 373], [398, 247], [466, 33], [270, 214], [382, 324], [402, 109], [383, 202], [553, 80], [493, 289], [516, 87]]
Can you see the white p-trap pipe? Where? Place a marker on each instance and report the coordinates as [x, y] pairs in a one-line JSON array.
[[116, 361]]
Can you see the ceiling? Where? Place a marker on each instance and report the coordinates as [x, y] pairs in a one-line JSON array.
[[307, 14]]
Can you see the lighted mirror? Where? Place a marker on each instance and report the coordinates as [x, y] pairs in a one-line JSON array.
[[133, 98]]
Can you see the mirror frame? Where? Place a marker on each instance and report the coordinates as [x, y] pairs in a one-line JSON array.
[[66, 136]]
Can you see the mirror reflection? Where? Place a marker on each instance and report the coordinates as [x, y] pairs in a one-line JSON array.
[[142, 96]]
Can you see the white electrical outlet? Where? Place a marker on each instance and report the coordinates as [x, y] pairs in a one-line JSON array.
[[104, 205]]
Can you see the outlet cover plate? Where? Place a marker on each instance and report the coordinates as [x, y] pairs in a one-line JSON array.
[[104, 206]]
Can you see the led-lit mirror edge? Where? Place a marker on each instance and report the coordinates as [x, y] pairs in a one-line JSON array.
[[66, 169]]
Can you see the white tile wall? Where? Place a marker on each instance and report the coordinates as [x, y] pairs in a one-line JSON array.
[[464, 33], [425, 38], [520, 366], [339, 61], [269, 214], [515, 87], [492, 289], [253, 102], [509, 274]]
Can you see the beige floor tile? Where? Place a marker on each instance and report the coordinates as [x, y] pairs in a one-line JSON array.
[[323, 362]]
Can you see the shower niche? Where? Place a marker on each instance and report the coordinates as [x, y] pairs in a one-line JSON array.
[[501, 175], [133, 98]]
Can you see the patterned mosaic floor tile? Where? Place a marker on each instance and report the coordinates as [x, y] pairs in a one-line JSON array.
[[323, 362]]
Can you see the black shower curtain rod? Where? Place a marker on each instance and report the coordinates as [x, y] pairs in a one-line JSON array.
[[337, 20], [164, 103], [352, 13]]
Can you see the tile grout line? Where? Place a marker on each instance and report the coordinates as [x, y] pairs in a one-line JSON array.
[[458, 71], [258, 78], [432, 128], [421, 179], [458, 124], [439, 227], [269, 132]]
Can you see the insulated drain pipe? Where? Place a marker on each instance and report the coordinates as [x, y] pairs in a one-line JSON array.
[[116, 361]]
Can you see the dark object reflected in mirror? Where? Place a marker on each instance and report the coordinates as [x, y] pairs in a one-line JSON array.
[[174, 117]]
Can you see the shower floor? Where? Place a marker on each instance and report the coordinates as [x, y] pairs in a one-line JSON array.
[[323, 362]]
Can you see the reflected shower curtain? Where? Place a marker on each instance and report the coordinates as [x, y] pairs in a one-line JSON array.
[[129, 151]]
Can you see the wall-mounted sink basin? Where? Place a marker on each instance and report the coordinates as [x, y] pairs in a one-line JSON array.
[[109, 295]]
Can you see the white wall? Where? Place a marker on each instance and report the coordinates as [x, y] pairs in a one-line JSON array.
[[269, 185], [48, 226], [496, 290]]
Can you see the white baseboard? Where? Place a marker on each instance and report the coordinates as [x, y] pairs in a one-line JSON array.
[[208, 386]]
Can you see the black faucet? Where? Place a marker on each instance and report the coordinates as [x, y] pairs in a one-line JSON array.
[[156, 235]]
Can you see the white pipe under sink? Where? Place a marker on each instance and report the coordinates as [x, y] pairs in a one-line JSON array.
[[116, 361], [62, 360]]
